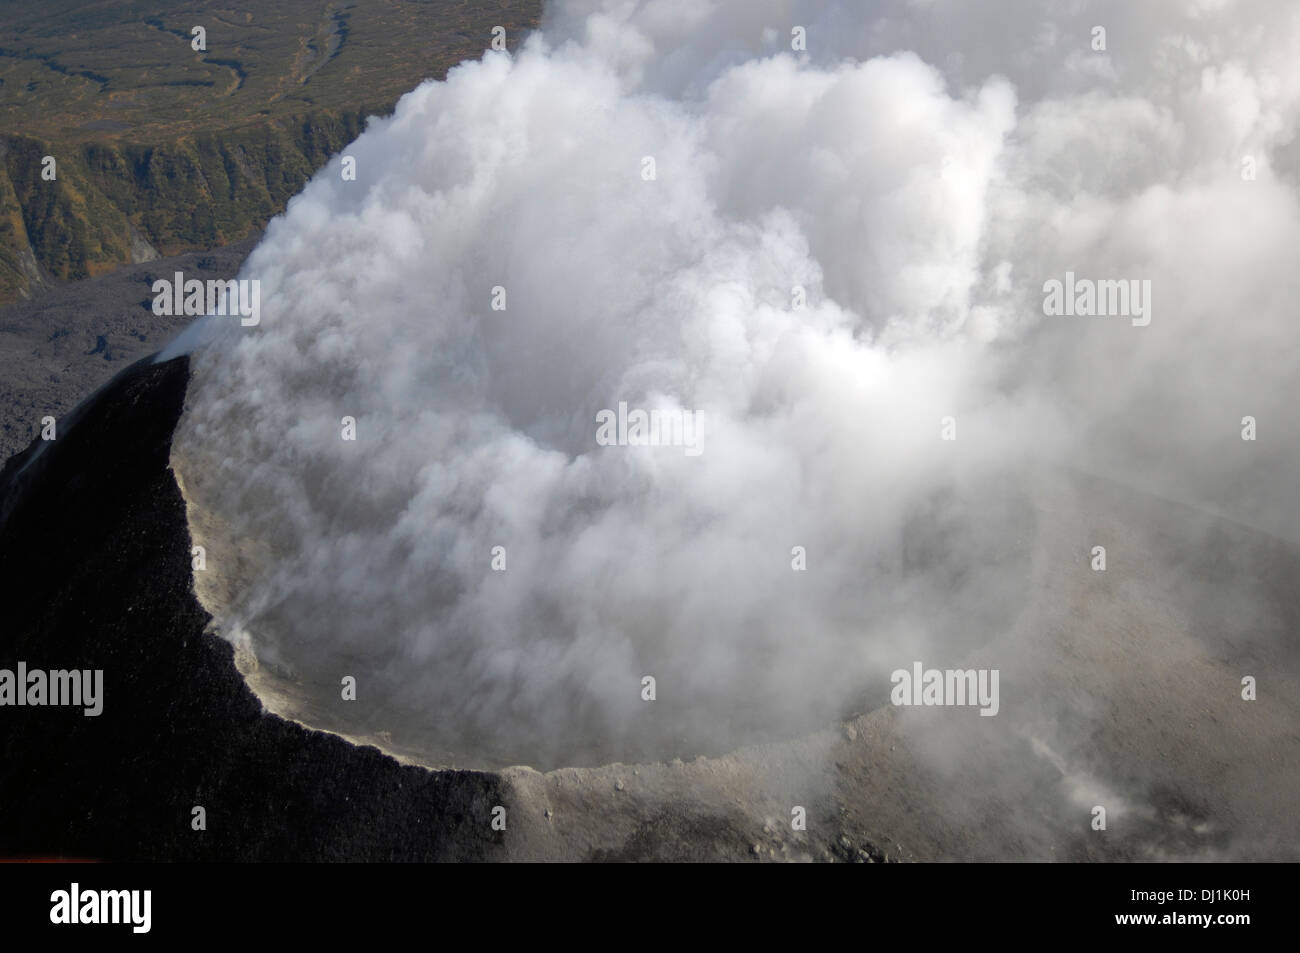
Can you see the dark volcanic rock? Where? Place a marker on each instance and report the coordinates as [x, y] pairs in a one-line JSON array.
[[95, 574]]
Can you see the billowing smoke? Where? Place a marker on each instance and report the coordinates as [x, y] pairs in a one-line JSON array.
[[820, 263]]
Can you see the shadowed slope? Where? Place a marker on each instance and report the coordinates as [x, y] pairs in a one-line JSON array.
[[95, 573]]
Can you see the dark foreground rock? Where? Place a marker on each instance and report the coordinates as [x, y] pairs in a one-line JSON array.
[[95, 574]]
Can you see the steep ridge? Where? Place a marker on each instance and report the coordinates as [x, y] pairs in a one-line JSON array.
[[163, 147]]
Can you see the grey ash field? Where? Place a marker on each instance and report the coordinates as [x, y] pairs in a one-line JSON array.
[[66, 341], [917, 171]]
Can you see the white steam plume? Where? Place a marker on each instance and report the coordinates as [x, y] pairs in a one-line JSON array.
[[919, 171]]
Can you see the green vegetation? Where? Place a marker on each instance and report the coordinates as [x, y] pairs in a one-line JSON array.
[[185, 149]]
